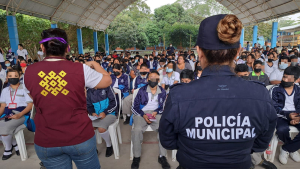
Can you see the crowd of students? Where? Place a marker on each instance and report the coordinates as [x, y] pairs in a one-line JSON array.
[[153, 75]]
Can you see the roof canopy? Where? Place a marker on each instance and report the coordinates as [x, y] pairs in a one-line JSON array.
[[98, 14], [291, 28]]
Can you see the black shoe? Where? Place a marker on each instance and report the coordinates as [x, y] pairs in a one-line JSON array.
[[42, 165], [136, 163], [164, 163], [268, 165], [127, 120], [109, 151], [97, 151], [17, 152], [6, 157]]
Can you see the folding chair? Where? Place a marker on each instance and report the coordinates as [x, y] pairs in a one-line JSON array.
[[114, 130]]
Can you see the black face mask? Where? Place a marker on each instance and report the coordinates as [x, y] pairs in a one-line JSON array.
[[151, 59], [116, 73], [108, 59], [199, 68], [270, 60], [98, 61], [143, 73], [155, 58], [286, 84], [257, 70], [13, 81], [169, 59], [152, 84], [245, 77]]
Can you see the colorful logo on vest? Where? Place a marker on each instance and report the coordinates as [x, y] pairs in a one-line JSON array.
[[53, 83]]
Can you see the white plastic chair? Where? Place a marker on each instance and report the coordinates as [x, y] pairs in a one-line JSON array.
[[19, 135], [133, 83], [274, 143], [161, 76], [114, 130], [148, 129]]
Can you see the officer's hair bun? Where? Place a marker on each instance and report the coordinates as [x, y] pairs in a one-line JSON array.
[[229, 29]]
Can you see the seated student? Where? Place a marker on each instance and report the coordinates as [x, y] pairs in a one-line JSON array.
[[140, 81], [120, 80], [192, 61], [102, 103], [250, 61], [104, 64], [162, 63], [270, 65], [14, 99], [276, 59], [258, 74], [294, 60], [241, 70], [7, 64], [171, 77], [152, 64], [186, 76], [277, 74], [148, 102], [198, 70], [286, 102]]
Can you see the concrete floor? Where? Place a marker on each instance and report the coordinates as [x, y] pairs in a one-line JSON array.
[[148, 160]]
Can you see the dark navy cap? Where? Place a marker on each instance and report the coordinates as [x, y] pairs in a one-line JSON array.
[[208, 35]]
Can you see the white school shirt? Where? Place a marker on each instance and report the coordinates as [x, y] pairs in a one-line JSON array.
[[151, 64], [3, 75], [277, 75], [41, 54], [22, 98], [268, 69], [152, 100], [170, 81], [289, 102], [116, 85], [22, 53]]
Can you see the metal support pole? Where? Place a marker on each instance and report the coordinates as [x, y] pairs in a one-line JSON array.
[[13, 33], [79, 39], [254, 37], [95, 41], [242, 37], [274, 34], [106, 44]]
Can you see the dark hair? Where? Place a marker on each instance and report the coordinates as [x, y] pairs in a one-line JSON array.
[[284, 57], [15, 69], [80, 60], [117, 66], [182, 57], [219, 56], [293, 57], [119, 59], [154, 71], [174, 65], [252, 56], [137, 56], [144, 65], [163, 60], [20, 57], [271, 54], [257, 62], [241, 68], [293, 70], [55, 47], [20, 44], [7, 61], [186, 73]]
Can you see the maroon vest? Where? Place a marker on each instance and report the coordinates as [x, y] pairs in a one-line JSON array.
[[58, 91]]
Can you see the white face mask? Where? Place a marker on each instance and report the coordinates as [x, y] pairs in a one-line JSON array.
[[170, 45]]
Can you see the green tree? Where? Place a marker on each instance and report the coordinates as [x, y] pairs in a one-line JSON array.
[[153, 33], [180, 34]]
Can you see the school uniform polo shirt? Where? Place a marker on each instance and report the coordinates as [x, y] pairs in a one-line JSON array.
[[276, 75], [261, 78], [152, 100], [23, 53]]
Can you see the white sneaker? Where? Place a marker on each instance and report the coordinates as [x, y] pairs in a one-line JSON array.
[[295, 156], [283, 156]]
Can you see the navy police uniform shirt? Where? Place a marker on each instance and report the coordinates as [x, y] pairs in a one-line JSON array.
[[217, 121]]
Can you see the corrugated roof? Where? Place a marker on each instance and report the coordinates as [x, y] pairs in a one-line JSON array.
[[98, 14]]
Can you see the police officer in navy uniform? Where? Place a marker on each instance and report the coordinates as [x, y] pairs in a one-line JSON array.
[[219, 120]]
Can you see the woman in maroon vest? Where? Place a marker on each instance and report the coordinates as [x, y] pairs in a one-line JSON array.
[[64, 132]]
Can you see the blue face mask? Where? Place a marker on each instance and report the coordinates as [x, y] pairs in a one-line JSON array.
[[135, 61], [283, 66], [7, 64], [169, 70]]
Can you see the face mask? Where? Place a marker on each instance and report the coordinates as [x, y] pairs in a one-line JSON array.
[[13, 81], [199, 68], [98, 61], [170, 45], [270, 60], [155, 58], [257, 70], [135, 61], [151, 59], [283, 66], [169, 70], [294, 64], [23, 64], [116, 73], [176, 53], [169, 59], [286, 84], [152, 84], [143, 73], [9, 50], [7, 64], [245, 77]]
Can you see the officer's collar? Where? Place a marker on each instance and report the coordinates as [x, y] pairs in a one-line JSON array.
[[218, 70]]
